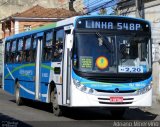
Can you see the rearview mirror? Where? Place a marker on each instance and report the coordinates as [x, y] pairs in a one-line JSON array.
[[69, 39]]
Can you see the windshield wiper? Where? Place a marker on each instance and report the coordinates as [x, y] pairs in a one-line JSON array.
[[107, 44]]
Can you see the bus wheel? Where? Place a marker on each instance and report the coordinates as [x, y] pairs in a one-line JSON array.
[[57, 109], [18, 98]]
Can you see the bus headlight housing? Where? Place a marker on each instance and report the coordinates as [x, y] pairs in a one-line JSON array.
[[83, 88], [144, 90], [76, 83]]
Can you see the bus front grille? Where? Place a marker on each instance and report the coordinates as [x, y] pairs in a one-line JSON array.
[[116, 79], [107, 101], [114, 103], [112, 91]]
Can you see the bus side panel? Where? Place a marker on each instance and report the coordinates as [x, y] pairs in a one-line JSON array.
[[26, 76], [27, 90], [9, 81], [45, 80], [48, 75], [9, 86], [25, 73], [44, 92]]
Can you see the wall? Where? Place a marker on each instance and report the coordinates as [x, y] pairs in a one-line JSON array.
[[14, 6], [32, 24], [152, 14]]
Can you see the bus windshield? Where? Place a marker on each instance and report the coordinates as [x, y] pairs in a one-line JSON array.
[[106, 53]]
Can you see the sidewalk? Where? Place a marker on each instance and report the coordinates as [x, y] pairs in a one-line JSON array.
[[155, 108], [158, 99]]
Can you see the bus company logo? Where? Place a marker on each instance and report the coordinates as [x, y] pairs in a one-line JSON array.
[[116, 90], [102, 62], [101, 85], [26, 72], [137, 84]]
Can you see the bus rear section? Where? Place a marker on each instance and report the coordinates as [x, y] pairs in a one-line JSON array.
[[111, 63]]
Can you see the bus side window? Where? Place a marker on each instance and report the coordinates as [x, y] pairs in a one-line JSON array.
[[20, 50], [13, 51], [48, 41], [27, 50], [34, 45], [7, 52], [58, 45]]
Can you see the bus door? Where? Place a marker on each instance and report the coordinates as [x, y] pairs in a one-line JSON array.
[[67, 68], [39, 39]]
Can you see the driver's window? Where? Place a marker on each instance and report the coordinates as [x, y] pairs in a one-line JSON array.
[[47, 53], [58, 45]]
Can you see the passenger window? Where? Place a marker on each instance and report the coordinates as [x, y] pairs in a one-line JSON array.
[[13, 51], [48, 41], [34, 45], [20, 50], [7, 52], [58, 45], [27, 50]]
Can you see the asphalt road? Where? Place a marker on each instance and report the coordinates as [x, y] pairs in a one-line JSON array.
[[35, 113]]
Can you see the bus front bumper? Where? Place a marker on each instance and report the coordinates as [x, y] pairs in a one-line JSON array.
[[81, 99]]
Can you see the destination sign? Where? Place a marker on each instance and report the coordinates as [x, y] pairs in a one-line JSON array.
[[113, 24]]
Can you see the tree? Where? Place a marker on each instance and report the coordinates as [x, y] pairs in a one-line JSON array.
[[115, 11], [102, 11]]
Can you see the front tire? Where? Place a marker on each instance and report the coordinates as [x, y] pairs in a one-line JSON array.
[[18, 98], [57, 109]]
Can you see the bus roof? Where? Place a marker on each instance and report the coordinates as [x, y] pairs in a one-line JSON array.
[[66, 22], [27, 33], [43, 28]]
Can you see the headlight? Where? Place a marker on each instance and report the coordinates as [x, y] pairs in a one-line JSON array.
[[76, 83], [144, 90], [83, 88]]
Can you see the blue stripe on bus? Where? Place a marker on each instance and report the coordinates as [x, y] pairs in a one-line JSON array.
[[112, 86], [26, 77]]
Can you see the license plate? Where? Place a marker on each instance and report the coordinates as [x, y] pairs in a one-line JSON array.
[[116, 99]]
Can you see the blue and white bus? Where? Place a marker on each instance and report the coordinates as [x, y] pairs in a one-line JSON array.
[[83, 61]]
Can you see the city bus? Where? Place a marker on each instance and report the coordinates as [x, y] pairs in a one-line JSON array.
[[82, 61]]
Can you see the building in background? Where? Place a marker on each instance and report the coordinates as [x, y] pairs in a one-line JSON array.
[[149, 10], [32, 18], [10, 7]]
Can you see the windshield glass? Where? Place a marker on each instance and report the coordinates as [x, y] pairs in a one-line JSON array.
[[94, 52], [133, 54], [105, 53]]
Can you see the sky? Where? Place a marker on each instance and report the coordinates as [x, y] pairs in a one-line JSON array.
[[94, 3]]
